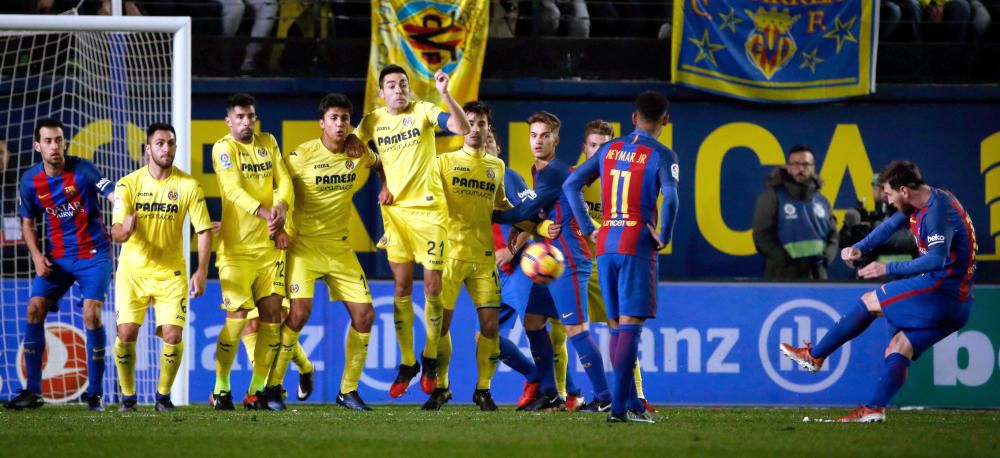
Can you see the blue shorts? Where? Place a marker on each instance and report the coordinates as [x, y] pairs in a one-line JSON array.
[[921, 311], [93, 275], [628, 284], [568, 295], [515, 290]]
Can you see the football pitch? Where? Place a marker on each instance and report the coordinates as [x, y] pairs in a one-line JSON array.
[[405, 431]]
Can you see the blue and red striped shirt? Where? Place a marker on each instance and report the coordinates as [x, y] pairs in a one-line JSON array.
[[946, 241], [634, 170], [70, 204]]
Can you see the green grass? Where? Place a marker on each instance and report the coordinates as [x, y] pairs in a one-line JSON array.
[[314, 431]]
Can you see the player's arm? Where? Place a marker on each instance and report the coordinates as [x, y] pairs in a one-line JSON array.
[[124, 220], [528, 209], [938, 236], [457, 122], [573, 188], [203, 226], [668, 177], [30, 211], [765, 226], [876, 238], [231, 185], [102, 185], [284, 192]]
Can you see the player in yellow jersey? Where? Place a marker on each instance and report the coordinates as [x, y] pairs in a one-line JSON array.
[[473, 188], [325, 179], [413, 208], [256, 196], [148, 218]]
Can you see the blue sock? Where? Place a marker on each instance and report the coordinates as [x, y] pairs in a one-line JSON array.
[[34, 349], [624, 363], [541, 351], [97, 342], [848, 327], [593, 363], [514, 359], [633, 403], [896, 368]]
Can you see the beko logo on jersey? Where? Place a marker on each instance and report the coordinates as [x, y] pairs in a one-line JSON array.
[[404, 135], [156, 207], [65, 210], [103, 183], [619, 155], [934, 239], [473, 183], [256, 168], [527, 194], [336, 179]]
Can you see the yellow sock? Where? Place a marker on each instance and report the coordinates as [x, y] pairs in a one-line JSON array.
[[487, 356], [289, 339], [355, 354], [225, 352], [444, 360], [301, 360], [268, 343], [433, 316], [558, 337], [250, 344], [125, 360], [638, 380], [402, 313], [170, 361]]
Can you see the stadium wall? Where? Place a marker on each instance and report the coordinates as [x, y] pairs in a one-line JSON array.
[[711, 344]]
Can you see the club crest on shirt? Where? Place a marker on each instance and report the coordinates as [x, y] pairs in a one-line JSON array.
[[408, 121], [349, 164], [225, 162], [70, 191], [294, 288], [490, 173], [172, 195], [261, 152]]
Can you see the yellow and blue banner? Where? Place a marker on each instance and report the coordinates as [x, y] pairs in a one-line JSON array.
[[793, 51], [423, 37]]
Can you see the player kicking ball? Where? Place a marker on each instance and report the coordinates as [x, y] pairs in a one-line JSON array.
[[634, 170], [148, 219], [931, 303]]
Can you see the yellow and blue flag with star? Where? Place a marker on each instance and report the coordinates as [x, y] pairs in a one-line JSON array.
[[793, 51]]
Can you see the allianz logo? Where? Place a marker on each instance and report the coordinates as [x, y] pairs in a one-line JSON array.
[[795, 322]]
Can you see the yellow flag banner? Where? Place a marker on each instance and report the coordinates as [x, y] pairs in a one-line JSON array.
[[426, 36]]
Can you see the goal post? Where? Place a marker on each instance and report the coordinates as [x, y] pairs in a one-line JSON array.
[[107, 78]]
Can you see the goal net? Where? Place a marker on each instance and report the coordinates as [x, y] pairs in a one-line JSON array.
[[106, 79]]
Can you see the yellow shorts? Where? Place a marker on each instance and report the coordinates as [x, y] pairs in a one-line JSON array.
[[334, 262], [286, 305], [480, 280], [245, 281], [595, 301], [414, 235], [134, 293]]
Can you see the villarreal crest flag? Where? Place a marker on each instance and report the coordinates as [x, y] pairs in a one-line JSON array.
[[792, 51], [424, 36]]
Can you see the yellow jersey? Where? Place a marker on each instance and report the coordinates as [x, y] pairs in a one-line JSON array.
[[405, 143], [324, 184], [156, 248], [592, 196], [250, 175], [473, 188]]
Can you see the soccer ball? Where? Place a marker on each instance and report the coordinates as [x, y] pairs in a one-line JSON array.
[[542, 263]]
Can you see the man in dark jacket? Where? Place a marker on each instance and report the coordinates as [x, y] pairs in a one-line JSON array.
[[793, 224]]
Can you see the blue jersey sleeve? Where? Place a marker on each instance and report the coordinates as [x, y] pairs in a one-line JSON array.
[[882, 233], [102, 185], [668, 176], [938, 234], [26, 203], [573, 188], [528, 210]]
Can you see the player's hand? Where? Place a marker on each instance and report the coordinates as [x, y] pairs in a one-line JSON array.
[[593, 236], [385, 197], [277, 219], [264, 212], [198, 283], [353, 146], [850, 254], [873, 270], [43, 265], [216, 227], [504, 256], [656, 237], [554, 231], [281, 240], [441, 81], [129, 224], [512, 238]]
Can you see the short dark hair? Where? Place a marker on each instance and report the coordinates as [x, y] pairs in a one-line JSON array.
[[901, 173], [240, 99], [800, 149], [46, 122], [157, 126], [388, 70], [479, 108], [334, 100], [599, 127], [547, 118], [651, 105]]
